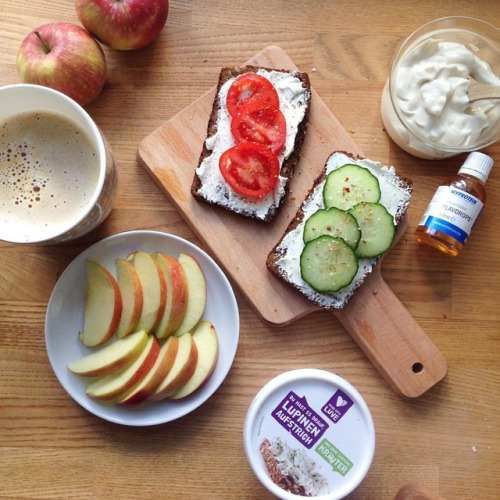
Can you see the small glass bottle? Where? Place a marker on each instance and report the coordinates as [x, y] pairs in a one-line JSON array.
[[448, 220]]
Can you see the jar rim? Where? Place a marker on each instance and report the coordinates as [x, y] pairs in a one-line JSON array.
[[443, 24]]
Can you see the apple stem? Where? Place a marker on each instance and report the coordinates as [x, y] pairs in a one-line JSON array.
[[45, 46]]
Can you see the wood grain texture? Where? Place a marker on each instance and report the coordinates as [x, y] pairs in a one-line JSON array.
[[377, 320], [415, 492], [171, 154], [446, 441]]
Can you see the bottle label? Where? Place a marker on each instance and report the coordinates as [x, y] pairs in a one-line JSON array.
[[453, 212]]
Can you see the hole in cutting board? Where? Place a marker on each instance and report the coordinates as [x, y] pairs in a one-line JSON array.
[[417, 367]]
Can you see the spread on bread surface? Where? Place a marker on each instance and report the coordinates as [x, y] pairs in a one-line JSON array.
[[284, 259], [293, 89]]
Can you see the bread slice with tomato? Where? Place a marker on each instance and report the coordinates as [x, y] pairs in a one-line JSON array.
[[347, 221], [254, 138]]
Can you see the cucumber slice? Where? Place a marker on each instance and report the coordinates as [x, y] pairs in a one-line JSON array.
[[349, 185], [328, 264], [377, 229], [332, 222]]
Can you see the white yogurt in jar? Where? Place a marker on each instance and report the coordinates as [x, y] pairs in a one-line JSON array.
[[425, 106]]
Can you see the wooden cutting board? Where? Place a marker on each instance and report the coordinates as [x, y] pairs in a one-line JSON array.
[[375, 318]]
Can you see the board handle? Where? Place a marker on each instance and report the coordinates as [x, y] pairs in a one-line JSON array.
[[391, 339]]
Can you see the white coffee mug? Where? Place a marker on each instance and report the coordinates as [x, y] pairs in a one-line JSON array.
[[57, 171]]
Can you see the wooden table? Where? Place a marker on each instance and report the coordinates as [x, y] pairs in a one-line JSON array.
[[447, 440]]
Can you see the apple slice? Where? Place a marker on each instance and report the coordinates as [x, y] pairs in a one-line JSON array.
[[205, 338], [131, 292], [103, 305], [112, 357], [177, 295], [197, 293], [113, 385], [158, 372], [182, 369], [154, 289]]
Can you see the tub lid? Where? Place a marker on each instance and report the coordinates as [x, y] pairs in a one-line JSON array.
[[312, 432]]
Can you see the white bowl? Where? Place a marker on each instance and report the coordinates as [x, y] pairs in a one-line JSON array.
[[64, 319]]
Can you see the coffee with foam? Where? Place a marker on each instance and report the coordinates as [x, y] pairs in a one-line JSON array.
[[49, 175]]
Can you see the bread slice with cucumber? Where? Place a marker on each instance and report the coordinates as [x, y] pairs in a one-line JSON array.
[[346, 223]]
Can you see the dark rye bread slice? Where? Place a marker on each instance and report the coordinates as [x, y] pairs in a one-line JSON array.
[[247, 207], [283, 259]]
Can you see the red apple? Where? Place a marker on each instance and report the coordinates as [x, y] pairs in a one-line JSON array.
[[177, 295], [182, 369], [103, 305], [132, 297], [123, 24], [147, 386], [197, 293], [112, 386], [65, 57], [154, 288], [207, 344], [112, 357]]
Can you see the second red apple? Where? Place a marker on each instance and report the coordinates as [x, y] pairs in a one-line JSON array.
[[123, 24]]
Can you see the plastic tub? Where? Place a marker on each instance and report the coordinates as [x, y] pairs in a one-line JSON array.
[[308, 433]]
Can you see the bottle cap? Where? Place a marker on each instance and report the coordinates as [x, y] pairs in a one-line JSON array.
[[477, 164]]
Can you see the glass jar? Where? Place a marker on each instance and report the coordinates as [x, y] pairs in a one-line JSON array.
[[425, 107]]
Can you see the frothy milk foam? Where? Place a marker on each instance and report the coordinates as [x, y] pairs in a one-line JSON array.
[[49, 171]]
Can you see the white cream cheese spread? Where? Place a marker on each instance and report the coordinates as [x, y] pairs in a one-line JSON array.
[[293, 97], [394, 197], [430, 108]]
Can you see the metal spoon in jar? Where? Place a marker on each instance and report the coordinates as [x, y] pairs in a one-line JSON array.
[[479, 91]]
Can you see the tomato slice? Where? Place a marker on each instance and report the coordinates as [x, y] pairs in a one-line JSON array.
[[262, 123], [250, 169], [250, 87]]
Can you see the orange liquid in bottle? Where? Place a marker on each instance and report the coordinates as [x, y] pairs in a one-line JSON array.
[[467, 185]]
